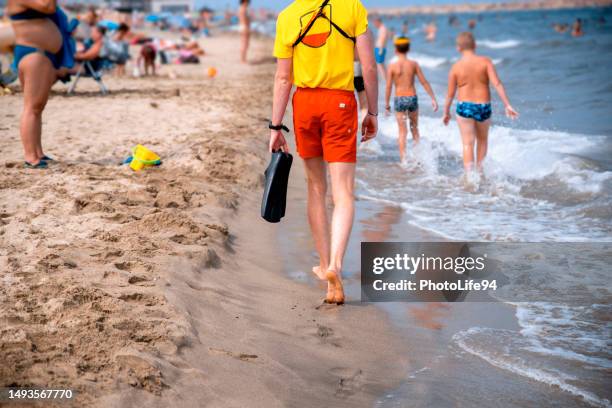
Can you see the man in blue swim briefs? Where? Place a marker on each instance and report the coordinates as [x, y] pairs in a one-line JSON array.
[[380, 50], [471, 76]]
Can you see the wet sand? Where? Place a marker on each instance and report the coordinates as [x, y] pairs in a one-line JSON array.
[[439, 373], [164, 287]]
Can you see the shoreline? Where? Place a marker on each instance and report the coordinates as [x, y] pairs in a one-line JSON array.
[[164, 286], [439, 365], [491, 7]]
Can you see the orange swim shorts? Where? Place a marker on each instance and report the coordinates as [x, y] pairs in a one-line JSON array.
[[325, 124]]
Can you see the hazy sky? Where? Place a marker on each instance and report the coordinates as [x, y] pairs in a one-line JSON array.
[[279, 4]]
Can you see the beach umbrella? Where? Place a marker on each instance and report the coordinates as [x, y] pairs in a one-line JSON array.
[[179, 21], [109, 25], [152, 18]]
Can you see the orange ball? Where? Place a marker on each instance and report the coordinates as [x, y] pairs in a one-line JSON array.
[[212, 72]]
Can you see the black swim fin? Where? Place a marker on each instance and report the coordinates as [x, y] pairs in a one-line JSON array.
[[275, 192]]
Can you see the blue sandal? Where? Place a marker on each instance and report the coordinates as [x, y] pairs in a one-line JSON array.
[[46, 158], [39, 166]]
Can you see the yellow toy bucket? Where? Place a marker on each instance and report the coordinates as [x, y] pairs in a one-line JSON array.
[[143, 157]]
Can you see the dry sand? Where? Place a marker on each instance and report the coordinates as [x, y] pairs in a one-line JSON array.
[[164, 287]]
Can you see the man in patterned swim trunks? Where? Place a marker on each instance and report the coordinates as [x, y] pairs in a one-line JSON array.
[[401, 74], [472, 76]]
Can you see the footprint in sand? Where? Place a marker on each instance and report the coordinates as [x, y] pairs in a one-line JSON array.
[[54, 262], [141, 298], [326, 334], [133, 266], [112, 254], [324, 331], [91, 201], [4, 218], [140, 373], [195, 286], [239, 356], [121, 218], [139, 280], [350, 380]]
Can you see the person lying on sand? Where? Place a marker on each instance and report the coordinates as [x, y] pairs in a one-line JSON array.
[[401, 74], [472, 75]]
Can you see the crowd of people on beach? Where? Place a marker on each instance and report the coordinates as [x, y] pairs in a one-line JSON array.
[[48, 47]]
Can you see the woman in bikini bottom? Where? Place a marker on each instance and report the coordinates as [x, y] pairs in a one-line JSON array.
[[42, 47]]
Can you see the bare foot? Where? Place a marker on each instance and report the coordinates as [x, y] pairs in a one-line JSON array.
[[335, 282], [318, 272], [331, 293]]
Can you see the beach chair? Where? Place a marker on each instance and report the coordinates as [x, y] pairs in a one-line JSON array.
[[91, 69], [94, 69]]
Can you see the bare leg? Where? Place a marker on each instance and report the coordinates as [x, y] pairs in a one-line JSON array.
[[382, 72], [403, 134], [316, 175], [244, 45], [343, 183], [363, 102], [414, 126], [482, 141], [468, 137], [37, 75]]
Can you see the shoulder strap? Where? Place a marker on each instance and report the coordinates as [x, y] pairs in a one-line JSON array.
[[340, 30], [311, 23]]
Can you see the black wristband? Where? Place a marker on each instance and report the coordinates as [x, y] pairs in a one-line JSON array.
[[278, 127], [372, 114]]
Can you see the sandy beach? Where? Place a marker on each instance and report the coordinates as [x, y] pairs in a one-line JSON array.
[[164, 287]]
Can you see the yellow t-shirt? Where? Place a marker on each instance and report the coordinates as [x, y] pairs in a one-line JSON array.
[[324, 59]]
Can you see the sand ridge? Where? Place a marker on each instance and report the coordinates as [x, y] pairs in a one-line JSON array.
[[81, 301], [162, 287]]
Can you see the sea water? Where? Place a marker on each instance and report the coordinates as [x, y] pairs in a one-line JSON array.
[[547, 178]]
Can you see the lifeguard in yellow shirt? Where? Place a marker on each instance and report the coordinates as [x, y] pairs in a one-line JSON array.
[[315, 45]]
